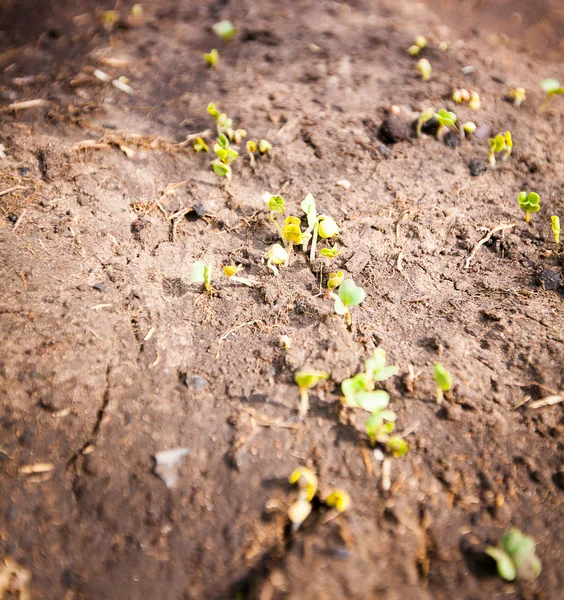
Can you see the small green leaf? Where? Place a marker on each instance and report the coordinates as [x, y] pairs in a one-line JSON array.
[[376, 362], [350, 294], [353, 386], [222, 140], [373, 401], [220, 169], [445, 117], [198, 274], [225, 30], [307, 379], [328, 228], [308, 206], [529, 202], [521, 549], [264, 146], [443, 377], [340, 307], [550, 85], [330, 252], [212, 57], [505, 567], [397, 446]]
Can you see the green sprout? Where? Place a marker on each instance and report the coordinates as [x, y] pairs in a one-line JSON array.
[[335, 280], [517, 95], [375, 370], [443, 380], [555, 226], [425, 116], [277, 255], [530, 203], [551, 87], [212, 57], [306, 481], [424, 68], [202, 273], [321, 225], [225, 156], [501, 142], [331, 252], [415, 49], [251, 148], [292, 233], [468, 128], [305, 381], [225, 30], [276, 207], [515, 556], [231, 271], [359, 392], [446, 118], [264, 146], [338, 499], [349, 295], [200, 145], [225, 124]]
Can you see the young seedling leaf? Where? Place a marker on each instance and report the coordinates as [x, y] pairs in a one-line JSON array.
[[530, 203], [224, 29], [373, 401], [328, 228], [306, 479], [350, 294], [338, 499], [307, 379], [397, 446], [555, 226], [443, 377], [198, 274], [515, 556]]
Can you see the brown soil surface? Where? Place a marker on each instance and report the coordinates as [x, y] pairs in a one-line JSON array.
[[108, 354]]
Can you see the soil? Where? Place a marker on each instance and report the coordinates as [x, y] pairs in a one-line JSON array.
[[110, 355]]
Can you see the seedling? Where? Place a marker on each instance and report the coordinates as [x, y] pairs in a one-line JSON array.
[[338, 499], [530, 203], [349, 295], [225, 124], [443, 380], [375, 370], [474, 103], [397, 446], [424, 68], [515, 556], [292, 234], [305, 381], [517, 95], [446, 119], [415, 49], [331, 252], [555, 226], [468, 129], [225, 30], [225, 156], [264, 146], [307, 482], [200, 145], [251, 148], [334, 281], [500, 143], [551, 87], [212, 57], [277, 255], [202, 273], [321, 225], [425, 116], [276, 207], [231, 272]]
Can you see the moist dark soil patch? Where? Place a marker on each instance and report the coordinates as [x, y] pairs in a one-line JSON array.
[[110, 355]]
